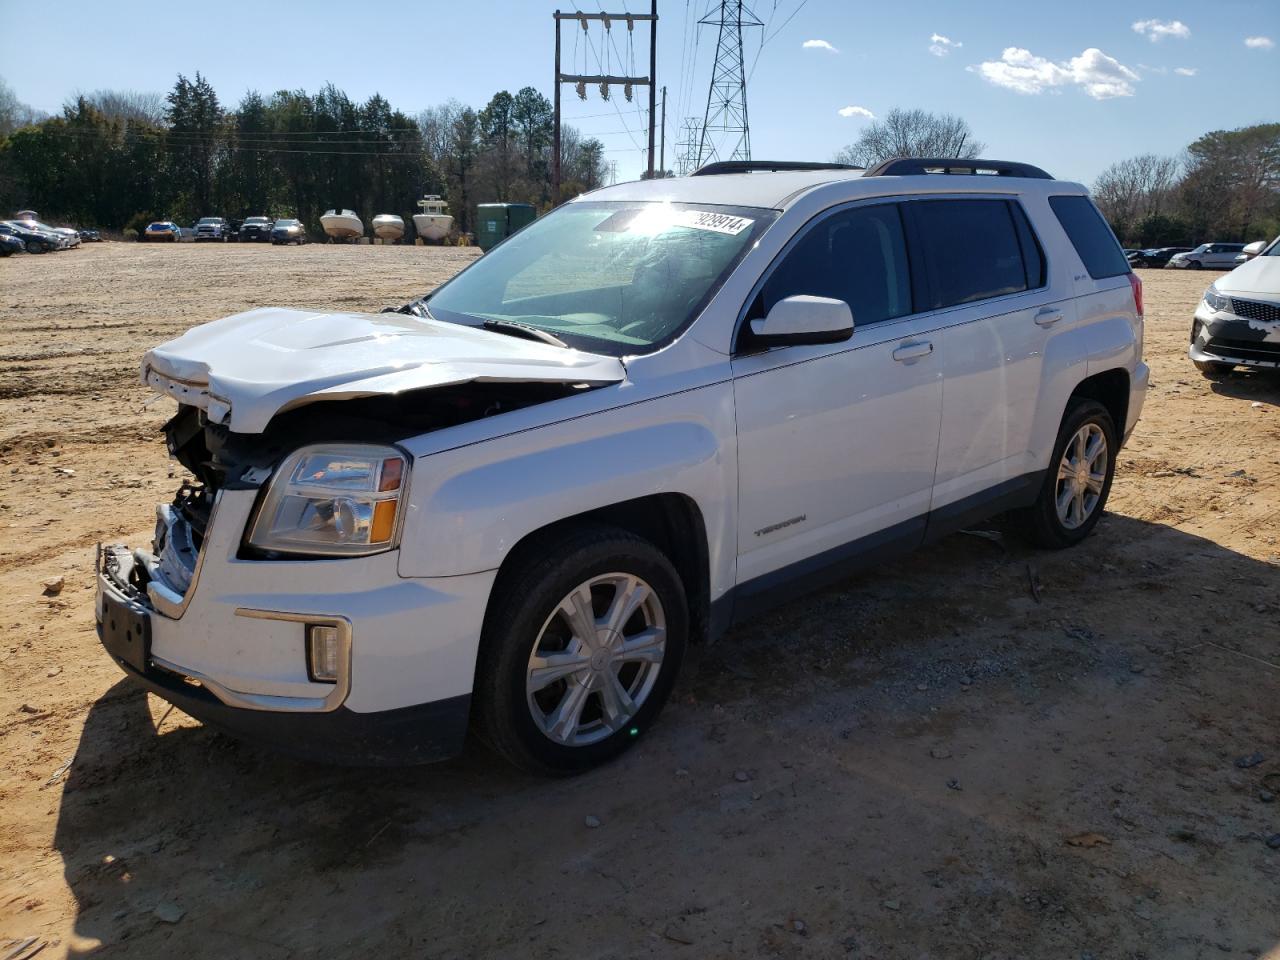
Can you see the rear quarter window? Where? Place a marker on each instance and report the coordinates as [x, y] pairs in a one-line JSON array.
[[1098, 247]]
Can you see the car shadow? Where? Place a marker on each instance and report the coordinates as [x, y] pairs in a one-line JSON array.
[[176, 839], [1255, 385]]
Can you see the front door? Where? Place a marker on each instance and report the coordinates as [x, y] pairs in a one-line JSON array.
[[837, 443]]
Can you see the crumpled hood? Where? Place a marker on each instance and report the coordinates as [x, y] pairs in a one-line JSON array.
[[244, 369], [1260, 275]]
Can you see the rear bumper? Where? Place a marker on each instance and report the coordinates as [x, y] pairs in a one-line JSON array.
[[1138, 384]]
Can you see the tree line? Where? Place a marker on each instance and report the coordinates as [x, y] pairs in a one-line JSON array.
[[119, 159], [1224, 187]]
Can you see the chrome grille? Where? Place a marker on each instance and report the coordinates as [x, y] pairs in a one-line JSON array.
[[1256, 310]]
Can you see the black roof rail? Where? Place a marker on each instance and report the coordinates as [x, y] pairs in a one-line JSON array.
[[765, 166], [912, 166]]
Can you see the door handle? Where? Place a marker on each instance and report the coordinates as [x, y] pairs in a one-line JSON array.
[[1048, 316], [913, 351]]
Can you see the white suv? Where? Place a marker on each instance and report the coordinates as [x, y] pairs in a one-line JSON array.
[[511, 504]]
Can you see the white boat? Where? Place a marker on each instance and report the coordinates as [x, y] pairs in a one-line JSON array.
[[387, 226], [433, 223], [342, 224]]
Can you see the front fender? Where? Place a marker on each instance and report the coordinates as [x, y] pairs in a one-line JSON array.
[[468, 507]]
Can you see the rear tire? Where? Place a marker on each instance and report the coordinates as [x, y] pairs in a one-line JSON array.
[[1076, 486], [563, 686]]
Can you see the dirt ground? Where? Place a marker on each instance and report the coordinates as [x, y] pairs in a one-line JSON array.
[[926, 761]]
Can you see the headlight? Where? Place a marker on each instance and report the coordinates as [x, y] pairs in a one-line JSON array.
[[1216, 301], [333, 500]]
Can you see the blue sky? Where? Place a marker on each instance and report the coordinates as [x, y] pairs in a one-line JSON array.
[[1070, 87]]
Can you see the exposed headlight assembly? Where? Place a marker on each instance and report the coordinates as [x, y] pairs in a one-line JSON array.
[[1216, 301], [333, 500]]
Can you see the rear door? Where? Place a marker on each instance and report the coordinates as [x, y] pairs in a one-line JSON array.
[[987, 287]]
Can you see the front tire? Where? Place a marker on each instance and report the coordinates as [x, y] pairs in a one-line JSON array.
[[1195, 265], [580, 649], [1075, 489], [35, 246]]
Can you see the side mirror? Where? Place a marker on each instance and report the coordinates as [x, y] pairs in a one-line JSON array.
[[804, 319], [1251, 250]]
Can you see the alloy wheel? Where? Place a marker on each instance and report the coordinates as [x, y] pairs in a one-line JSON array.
[[596, 659], [1082, 473]]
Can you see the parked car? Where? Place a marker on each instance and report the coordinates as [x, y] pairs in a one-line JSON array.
[[65, 236], [90, 236], [211, 228], [1207, 256], [162, 230], [514, 501], [10, 245], [257, 229], [1237, 323], [1155, 256], [33, 240], [288, 231]]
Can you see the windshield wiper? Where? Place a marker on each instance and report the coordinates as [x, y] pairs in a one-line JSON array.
[[523, 330]]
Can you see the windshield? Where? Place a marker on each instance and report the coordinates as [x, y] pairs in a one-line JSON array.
[[612, 277], [210, 220], [257, 220], [286, 223]]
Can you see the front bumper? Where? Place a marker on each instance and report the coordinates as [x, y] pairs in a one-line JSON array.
[[1221, 337], [223, 639]]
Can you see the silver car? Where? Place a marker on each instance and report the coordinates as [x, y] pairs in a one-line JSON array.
[[1207, 256]]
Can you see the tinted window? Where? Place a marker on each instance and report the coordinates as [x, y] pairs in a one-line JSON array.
[[1090, 235], [858, 256], [971, 250]]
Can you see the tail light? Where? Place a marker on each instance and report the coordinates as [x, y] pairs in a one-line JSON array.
[[1136, 283]]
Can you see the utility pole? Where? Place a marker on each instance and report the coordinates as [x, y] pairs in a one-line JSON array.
[[605, 80], [662, 153], [653, 74], [726, 111]]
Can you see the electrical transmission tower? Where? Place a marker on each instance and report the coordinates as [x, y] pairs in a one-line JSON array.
[[687, 146], [726, 114]]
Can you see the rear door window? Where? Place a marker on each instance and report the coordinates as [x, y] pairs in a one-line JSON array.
[[1098, 247], [973, 250], [857, 255]]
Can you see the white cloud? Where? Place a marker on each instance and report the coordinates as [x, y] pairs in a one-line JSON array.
[[1157, 30], [856, 112], [1186, 71], [940, 46], [1099, 75], [819, 45], [1259, 43]]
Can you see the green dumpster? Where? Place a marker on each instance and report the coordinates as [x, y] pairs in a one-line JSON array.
[[497, 221]]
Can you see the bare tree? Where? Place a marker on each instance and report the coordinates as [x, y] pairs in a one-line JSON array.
[[1130, 191], [912, 133], [130, 105], [15, 114]]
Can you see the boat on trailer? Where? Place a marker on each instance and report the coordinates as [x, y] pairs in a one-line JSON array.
[[434, 222], [342, 224], [387, 226]]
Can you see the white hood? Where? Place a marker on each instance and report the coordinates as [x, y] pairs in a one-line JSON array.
[[1261, 275], [244, 369]]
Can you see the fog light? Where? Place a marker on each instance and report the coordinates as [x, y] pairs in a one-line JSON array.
[[322, 652]]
